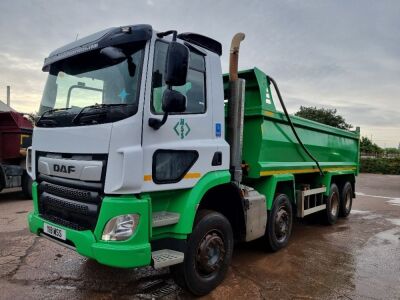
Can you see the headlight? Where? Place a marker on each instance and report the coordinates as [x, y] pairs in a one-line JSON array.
[[120, 228]]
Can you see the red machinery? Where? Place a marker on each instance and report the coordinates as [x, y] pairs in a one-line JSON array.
[[15, 138]]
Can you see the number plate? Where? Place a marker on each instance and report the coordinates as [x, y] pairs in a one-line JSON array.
[[54, 231]]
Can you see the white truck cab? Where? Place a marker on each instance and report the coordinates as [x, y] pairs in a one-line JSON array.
[[124, 96]]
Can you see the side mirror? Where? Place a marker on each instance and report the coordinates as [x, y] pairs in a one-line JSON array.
[[177, 64], [173, 102], [176, 70], [115, 55]]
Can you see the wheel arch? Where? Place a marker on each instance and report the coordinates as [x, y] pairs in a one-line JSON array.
[[280, 183], [339, 178], [226, 199], [186, 202]]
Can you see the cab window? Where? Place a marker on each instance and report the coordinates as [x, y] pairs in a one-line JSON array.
[[194, 89]]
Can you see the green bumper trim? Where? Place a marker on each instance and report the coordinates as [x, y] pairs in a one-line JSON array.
[[134, 252]]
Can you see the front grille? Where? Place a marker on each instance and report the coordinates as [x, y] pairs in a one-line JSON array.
[[69, 192], [65, 204], [69, 202], [70, 207]]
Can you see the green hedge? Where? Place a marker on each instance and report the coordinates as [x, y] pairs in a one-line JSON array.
[[380, 165]]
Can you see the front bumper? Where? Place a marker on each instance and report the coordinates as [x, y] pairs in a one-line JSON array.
[[134, 252]]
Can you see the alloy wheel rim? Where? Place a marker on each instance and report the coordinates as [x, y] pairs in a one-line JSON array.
[[282, 224], [348, 201], [210, 254], [334, 204]]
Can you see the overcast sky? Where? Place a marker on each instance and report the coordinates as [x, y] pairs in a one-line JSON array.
[[342, 54]]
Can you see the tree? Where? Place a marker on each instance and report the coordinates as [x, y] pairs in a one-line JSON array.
[[368, 147], [392, 152], [326, 116]]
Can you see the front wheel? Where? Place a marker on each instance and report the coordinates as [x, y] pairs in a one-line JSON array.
[[279, 224], [208, 254]]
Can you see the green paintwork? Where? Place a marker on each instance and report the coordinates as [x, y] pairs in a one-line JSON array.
[[269, 144], [134, 252], [327, 178], [185, 203], [267, 186]]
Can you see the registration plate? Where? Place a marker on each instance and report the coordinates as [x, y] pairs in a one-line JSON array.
[[54, 231]]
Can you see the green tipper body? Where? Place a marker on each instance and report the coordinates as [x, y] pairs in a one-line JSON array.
[[270, 147]]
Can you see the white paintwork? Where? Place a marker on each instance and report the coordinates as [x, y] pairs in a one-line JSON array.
[[77, 139], [201, 138], [29, 167], [88, 170], [130, 143]]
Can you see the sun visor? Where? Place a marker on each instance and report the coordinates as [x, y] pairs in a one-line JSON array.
[[114, 36]]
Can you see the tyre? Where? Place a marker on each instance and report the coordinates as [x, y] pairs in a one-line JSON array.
[[330, 215], [208, 254], [346, 200], [279, 224], [27, 185]]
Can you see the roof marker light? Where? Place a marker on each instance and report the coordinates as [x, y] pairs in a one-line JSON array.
[[126, 29]]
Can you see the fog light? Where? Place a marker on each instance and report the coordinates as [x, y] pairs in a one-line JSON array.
[[120, 228]]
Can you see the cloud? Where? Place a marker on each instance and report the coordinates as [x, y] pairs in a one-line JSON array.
[[343, 54]]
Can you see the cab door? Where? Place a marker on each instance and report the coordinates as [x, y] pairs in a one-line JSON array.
[[181, 152]]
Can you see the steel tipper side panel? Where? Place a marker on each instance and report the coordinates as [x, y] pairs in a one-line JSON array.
[[269, 146]]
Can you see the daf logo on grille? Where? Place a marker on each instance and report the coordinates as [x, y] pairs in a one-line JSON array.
[[63, 168]]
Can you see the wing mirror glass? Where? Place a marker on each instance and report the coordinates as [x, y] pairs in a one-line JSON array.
[[173, 102]]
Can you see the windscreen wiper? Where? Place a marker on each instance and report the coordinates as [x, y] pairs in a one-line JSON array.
[[50, 111], [76, 119]]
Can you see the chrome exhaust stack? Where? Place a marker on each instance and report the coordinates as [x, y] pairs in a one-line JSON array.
[[235, 110]]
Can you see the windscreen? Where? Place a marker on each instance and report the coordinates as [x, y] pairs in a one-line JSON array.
[[93, 79]]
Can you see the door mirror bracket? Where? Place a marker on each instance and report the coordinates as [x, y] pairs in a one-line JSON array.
[[172, 102], [176, 70]]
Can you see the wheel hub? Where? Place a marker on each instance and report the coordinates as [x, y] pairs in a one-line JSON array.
[[281, 224], [334, 205], [348, 201], [210, 253]]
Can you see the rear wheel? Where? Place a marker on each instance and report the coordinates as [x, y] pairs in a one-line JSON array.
[[346, 200], [331, 213], [279, 224], [208, 254]]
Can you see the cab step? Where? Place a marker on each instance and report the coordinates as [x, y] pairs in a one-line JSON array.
[[165, 218], [166, 257]]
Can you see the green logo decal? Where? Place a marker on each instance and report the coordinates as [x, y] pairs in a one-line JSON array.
[[182, 128]]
